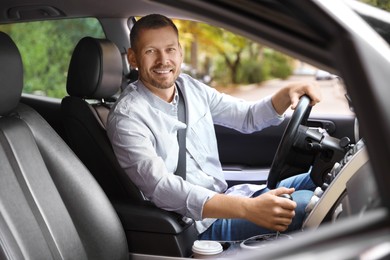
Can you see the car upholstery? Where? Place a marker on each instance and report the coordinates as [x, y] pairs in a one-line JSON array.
[[51, 206]]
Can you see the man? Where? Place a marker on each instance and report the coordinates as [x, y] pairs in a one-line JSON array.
[[143, 126]]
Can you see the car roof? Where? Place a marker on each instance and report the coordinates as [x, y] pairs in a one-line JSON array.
[[26, 10]]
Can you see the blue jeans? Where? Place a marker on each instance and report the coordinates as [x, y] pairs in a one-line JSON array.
[[240, 229]]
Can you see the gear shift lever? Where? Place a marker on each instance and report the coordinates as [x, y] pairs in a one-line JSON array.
[[287, 196]]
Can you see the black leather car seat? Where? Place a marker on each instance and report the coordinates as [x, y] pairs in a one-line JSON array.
[[94, 77], [50, 205]]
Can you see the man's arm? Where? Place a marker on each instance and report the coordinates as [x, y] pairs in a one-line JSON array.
[[267, 210]]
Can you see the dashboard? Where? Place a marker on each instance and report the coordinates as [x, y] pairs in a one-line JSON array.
[[349, 189]]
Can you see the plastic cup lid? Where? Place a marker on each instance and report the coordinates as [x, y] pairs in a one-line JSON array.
[[206, 247]]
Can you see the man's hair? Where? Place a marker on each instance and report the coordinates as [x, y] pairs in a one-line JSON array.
[[151, 21]]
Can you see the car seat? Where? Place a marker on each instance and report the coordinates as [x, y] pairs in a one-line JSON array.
[[50, 205], [94, 77]]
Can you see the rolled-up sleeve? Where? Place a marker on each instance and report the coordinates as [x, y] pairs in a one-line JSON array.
[[243, 116]]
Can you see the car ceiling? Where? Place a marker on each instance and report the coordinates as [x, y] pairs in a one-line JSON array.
[[19, 10]]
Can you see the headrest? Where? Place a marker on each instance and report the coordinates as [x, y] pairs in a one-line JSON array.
[[95, 70], [11, 75]]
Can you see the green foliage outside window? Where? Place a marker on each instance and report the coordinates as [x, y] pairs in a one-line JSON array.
[[230, 59], [46, 48]]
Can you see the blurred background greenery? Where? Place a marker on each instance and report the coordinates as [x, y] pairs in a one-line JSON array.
[[46, 61]]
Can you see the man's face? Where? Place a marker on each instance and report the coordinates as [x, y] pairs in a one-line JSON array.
[[158, 56]]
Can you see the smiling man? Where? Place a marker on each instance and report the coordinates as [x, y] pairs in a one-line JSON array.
[[160, 54], [143, 127]]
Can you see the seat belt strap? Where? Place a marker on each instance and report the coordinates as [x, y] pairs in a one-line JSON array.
[[181, 137]]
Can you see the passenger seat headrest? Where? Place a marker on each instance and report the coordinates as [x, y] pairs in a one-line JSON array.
[[95, 69], [11, 75]]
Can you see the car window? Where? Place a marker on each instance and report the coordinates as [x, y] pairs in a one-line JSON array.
[[46, 48], [240, 67]]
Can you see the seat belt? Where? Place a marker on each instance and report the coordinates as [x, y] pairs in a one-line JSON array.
[[181, 137], [181, 169]]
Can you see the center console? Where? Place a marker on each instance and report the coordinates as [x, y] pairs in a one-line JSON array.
[[326, 202]]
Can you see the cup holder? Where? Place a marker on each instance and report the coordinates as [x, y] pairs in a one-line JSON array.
[[261, 241]]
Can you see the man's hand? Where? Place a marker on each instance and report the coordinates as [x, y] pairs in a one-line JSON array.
[[271, 211], [267, 210], [289, 96]]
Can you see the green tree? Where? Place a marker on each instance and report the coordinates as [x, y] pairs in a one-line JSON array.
[[228, 45], [217, 41], [46, 51], [235, 59]]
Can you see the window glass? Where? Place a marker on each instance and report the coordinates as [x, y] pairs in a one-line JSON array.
[[240, 67], [46, 48]]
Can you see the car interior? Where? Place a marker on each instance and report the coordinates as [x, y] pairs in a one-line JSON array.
[[63, 194]]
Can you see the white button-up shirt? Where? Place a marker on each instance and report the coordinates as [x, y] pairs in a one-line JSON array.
[[143, 132]]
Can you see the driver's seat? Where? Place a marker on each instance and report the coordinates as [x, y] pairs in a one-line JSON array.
[[50, 205], [94, 76]]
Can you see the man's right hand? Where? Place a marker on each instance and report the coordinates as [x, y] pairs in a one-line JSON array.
[[271, 211], [267, 210]]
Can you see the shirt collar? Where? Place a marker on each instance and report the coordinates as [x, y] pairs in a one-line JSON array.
[[155, 101]]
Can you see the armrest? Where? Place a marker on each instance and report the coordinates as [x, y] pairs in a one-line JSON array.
[[149, 218]]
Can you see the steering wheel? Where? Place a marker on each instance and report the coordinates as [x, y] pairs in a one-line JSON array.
[[300, 115]]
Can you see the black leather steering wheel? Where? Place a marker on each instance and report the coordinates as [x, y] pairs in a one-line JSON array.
[[299, 116]]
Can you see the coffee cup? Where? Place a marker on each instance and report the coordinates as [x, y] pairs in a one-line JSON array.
[[203, 249]]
